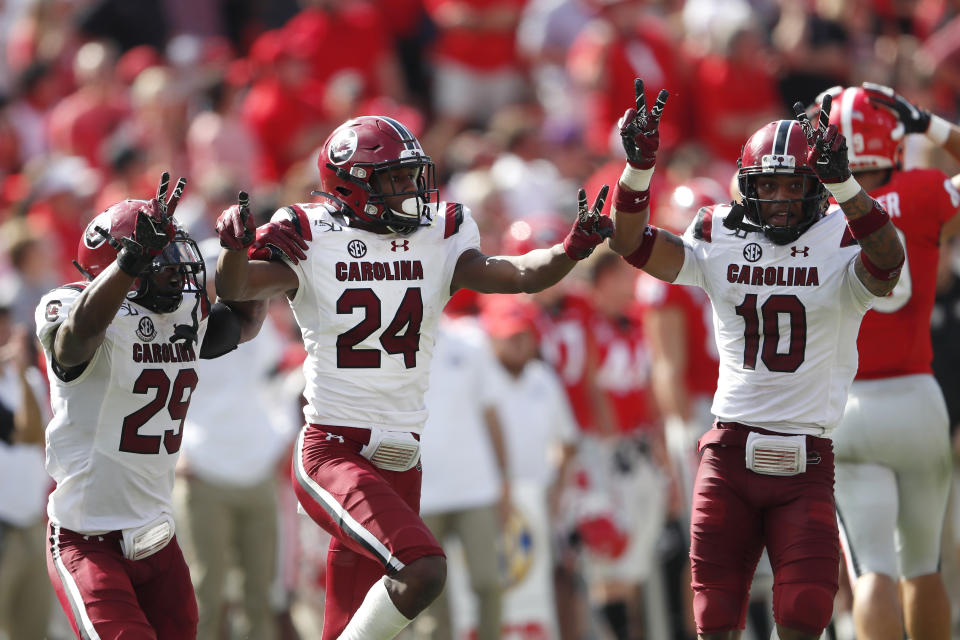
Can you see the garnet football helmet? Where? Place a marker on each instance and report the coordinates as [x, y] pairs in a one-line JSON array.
[[873, 132], [100, 244], [369, 146], [779, 148]]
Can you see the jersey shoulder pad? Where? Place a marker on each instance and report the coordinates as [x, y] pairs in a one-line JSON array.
[[452, 214], [701, 228], [54, 307], [297, 215]]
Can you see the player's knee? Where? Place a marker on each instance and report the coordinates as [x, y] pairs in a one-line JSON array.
[[719, 612], [426, 577], [804, 606]]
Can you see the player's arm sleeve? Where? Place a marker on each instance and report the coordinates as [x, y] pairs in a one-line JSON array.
[[298, 218], [861, 296], [223, 332], [51, 312], [459, 227], [694, 255]]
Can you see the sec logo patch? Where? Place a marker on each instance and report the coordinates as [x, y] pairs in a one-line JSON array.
[[145, 330]]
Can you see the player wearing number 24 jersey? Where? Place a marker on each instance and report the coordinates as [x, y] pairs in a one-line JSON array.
[[789, 286], [892, 446], [367, 272], [121, 349]]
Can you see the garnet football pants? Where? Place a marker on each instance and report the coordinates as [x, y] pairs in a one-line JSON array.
[[107, 597], [371, 513], [736, 512]]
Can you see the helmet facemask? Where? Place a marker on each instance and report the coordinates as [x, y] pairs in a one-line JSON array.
[[183, 254], [414, 204], [814, 204], [778, 149]]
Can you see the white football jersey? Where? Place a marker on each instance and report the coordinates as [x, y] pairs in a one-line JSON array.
[[115, 435], [785, 317], [368, 306]]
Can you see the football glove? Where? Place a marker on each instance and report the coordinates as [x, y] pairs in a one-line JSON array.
[[591, 227], [275, 240], [640, 130], [235, 226]]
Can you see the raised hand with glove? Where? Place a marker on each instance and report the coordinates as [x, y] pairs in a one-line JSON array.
[[591, 227], [237, 232], [828, 152], [235, 226], [153, 231], [915, 119]]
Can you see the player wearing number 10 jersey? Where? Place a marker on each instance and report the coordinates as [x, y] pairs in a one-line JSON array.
[[789, 287], [367, 272], [121, 349]]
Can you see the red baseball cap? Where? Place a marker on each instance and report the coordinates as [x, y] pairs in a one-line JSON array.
[[506, 315]]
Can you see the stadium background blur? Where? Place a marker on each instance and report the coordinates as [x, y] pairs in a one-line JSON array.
[[515, 100]]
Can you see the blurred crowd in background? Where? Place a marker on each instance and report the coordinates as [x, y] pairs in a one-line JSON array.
[[516, 101]]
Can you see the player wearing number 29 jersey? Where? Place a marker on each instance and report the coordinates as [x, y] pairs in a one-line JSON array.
[[367, 272], [789, 286], [116, 430], [892, 446], [121, 352]]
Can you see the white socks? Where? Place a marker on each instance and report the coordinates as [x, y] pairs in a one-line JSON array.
[[377, 618]]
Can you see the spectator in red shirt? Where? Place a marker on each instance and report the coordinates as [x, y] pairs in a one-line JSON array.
[[277, 108], [624, 42], [81, 122], [476, 67], [736, 92], [63, 207]]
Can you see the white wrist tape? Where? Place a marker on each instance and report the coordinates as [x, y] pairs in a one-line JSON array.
[[939, 130], [845, 190], [636, 179]]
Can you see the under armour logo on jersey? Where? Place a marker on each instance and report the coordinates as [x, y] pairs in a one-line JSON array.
[[752, 252], [805, 252], [357, 248], [333, 436], [399, 244]]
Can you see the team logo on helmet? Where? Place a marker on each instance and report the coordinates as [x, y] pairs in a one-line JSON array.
[[356, 248], [145, 330], [93, 238], [343, 146]]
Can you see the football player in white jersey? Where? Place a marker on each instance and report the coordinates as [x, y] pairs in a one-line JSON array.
[[120, 350], [375, 262], [789, 286]]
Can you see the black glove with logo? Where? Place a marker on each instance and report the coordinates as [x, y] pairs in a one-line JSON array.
[[640, 131], [153, 231], [914, 119]]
